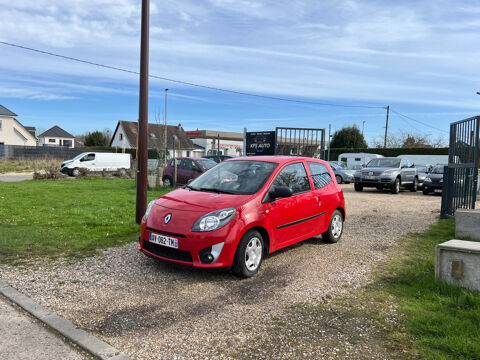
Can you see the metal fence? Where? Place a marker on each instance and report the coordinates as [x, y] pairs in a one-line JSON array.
[[460, 180], [300, 142], [41, 152]]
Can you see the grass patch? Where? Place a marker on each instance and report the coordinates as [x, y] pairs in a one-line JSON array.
[[444, 320], [28, 165], [68, 218]]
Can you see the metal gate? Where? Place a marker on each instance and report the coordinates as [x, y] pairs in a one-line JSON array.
[[300, 142], [460, 180]]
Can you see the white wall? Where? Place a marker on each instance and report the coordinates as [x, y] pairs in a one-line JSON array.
[[228, 147], [45, 140], [13, 133], [120, 140]]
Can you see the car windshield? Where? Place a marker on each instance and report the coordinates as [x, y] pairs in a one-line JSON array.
[[354, 167], [242, 177], [421, 169], [438, 169], [206, 163], [384, 163], [335, 166]]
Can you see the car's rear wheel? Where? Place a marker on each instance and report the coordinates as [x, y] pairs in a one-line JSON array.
[[395, 189], [249, 254], [414, 186], [339, 179], [335, 228], [358, 187], [167, 181]]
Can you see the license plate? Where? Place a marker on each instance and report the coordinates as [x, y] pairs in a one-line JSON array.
[[164, 240], [370, 177], [437, 190]]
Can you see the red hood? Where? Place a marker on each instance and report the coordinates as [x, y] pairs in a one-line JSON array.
[[199, 201]]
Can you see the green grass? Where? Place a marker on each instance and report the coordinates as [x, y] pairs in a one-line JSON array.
[[67, 218], [444, 320]]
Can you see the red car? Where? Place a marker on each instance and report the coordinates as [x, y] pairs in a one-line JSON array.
[[187, 169], [243, 209]]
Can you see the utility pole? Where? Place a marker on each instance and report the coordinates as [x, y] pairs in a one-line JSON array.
[[363, 126], [165, 129], [386, 127], [329, 140], [142, 149]]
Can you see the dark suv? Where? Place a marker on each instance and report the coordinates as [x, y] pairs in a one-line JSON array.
[[187, 168], [388, 172]]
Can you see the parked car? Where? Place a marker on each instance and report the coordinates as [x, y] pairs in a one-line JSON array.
[[352, 169], [242, 209], [389, 172], [217, 158], [422, 171], [187, 168], [96, 161], [433, 183], [340, 174]]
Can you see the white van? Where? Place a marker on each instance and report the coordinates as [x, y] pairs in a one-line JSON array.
[[96, 161], [357, 158]]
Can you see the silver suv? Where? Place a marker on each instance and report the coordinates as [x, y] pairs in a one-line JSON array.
[[388, 172]]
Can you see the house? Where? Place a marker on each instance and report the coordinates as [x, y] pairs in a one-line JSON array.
[[231, 143], [14, 133], [56, 136], [126, 134]]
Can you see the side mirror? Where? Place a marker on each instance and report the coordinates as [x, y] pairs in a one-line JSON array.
[[189, 181], [280, 192]]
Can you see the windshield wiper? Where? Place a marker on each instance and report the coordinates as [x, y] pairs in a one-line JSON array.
[[218, 191]]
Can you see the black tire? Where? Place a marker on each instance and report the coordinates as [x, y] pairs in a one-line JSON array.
[[395, 188], [167, 181], [379, 187], [335, 228], [358, 187], [247, 262], [425, 192], [75, 172], [414, 186], [339, 179]]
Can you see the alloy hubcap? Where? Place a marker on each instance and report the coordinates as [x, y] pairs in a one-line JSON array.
[[253, 254], [337, 226]]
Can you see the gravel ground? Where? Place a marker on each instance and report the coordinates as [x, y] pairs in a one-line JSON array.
[[151, 310]]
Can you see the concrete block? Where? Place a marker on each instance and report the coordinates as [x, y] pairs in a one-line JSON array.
[[457, 262], [467, 224]]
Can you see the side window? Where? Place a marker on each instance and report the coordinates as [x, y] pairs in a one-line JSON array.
[[190, 165], [295, 177], [320, 175], [88, 157], [404, 163]]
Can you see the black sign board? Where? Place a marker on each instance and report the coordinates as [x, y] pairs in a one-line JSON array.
[[260, 143]]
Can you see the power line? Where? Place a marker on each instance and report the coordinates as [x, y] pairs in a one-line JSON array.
[[418, 121], [190, 83]]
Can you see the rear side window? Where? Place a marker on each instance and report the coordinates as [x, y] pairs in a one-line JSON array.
[[320, 175], [295, 177]]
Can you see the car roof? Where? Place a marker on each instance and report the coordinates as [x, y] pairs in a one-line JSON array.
[[280, 159]]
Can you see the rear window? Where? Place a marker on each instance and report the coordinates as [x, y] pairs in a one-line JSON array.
[[320, 175]]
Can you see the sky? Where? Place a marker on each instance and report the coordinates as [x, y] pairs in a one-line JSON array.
[[419, 57]]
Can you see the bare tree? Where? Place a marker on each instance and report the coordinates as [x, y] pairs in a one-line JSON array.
[[410, 140]]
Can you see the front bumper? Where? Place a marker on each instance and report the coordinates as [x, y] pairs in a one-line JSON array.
[[65, 170], [432, 187], [191, 247], [374, 181]]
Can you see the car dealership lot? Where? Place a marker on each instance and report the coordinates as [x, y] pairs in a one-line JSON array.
[[152, 310]]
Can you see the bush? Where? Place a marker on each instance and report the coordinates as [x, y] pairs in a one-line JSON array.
[[51, 173]]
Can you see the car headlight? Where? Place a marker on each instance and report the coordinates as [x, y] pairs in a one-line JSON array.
[[441, 180], [214, 220], [149, 207], [428, 179], [388, 172]]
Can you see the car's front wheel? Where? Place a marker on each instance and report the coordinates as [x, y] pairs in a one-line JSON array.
[[414, 186], [167, 181], [249, 254], [395, 189], [425, 192], [335, 228], [76, 172], [358, 187], [339, 179]]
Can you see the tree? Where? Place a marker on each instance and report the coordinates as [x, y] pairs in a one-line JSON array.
[[348, 137], [96, 138], [410, 140]]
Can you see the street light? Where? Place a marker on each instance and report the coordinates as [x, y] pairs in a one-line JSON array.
[[165, 129]]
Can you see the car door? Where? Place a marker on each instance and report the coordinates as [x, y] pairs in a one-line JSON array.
[[406, 173], [185, 171], [88, 162], [323, 194], [290, 216]]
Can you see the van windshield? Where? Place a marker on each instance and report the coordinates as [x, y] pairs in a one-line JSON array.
[[241, 177], [79, 156]]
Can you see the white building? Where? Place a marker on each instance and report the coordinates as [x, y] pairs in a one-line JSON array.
[[125, 136], [231, 143], [56, 136], [14, 133]]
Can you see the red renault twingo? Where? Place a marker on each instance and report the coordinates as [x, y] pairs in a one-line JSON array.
[[242, 209]]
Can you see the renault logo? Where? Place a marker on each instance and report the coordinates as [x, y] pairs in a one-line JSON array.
[[167, 218]]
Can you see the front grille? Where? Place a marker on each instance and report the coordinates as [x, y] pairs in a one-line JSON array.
[[374, 173], [386, 181], [167, 252]]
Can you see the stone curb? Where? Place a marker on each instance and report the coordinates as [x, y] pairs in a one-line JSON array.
[[83, 339]]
